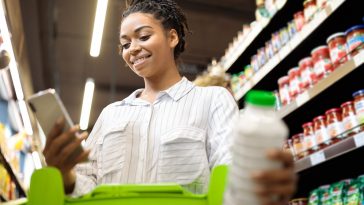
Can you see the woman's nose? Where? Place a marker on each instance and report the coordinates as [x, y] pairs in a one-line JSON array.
[[134, 48]]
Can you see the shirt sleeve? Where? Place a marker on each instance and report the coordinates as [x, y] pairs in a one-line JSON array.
[[223, 112], [86, 173]]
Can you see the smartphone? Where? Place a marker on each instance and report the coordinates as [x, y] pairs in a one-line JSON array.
[[48, 108]]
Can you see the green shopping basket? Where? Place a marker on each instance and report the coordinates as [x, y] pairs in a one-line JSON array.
[[46, 188]]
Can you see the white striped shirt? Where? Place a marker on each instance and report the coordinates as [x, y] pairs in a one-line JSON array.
[[178, 138]]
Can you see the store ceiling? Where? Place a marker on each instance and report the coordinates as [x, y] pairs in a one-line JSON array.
[[58, 36]]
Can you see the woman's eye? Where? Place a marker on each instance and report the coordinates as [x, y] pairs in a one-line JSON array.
[[125, 46], [144, 38]]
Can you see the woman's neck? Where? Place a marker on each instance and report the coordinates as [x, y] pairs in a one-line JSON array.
[[155, 84]]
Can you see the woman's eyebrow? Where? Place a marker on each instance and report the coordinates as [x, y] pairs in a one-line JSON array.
[[135, 31]]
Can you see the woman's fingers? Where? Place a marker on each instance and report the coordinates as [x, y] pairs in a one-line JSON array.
[[279, 155], [55, 131], [72, 148]]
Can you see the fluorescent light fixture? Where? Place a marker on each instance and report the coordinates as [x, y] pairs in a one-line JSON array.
[[25, 116], [9, 47], [98, 27], [86, 104]]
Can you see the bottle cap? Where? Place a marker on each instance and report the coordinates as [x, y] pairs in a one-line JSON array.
[[262, 98]]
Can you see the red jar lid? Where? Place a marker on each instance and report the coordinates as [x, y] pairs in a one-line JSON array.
[[284, 79], [320, 117], [307, 124], [297, 135], [347, 103], [333, 110], [336, 35], [306, 62], [293, 71], [321, 50]]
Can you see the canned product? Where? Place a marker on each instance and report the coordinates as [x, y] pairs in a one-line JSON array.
[[307, 73], [310, 138], [321, 60], [334, 124], [355, 39], [349, 117], [337, 47], [294, 83], [283, 84], [322, 136], [309, 9], [359, 105], [299, 20]]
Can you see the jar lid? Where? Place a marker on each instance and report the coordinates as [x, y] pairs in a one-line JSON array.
[[335, 35], [347, 103], [284, 79], [333, 110], [293, 71], [320, 49], [357, 27], [320, 117], [359, 92], [261, 98], [307, 124], [297, 135], [305, 61]]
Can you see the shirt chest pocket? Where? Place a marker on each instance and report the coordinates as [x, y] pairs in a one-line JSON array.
[[112, 146], [182, 157]]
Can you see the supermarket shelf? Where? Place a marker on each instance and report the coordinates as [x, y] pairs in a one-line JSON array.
[[300, 37], [321, 86], [330, 152], [14, 178]]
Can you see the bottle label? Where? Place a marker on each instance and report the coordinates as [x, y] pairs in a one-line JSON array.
[[350, 122], [335, 129], [337, 53], [322, 135], [355, 42], [310, 141], [359, 107]]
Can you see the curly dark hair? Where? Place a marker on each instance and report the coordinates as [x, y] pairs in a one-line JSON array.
[[168, 12]]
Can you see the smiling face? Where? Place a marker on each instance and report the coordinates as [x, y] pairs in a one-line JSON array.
[[146, 46]]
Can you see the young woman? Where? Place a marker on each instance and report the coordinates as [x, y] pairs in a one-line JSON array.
[[170, 131]]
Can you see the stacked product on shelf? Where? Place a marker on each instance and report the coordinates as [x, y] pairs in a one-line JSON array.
[[278, 40], [324, 60], [347, 191], [325, 130]]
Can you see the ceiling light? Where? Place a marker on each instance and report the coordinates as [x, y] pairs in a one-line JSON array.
[[98, 27], [86, 104]]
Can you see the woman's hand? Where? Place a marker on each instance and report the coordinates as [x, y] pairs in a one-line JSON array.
[[277, 186], [62, 150]]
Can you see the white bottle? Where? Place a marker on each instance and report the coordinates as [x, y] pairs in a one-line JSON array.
[[258, 129]]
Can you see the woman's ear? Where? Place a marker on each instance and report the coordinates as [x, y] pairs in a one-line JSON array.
[[173, 38]]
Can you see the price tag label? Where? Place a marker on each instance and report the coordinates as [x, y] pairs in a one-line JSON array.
[[359, 140], [317, 158]]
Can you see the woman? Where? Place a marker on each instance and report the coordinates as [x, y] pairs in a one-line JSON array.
[[170, 131]]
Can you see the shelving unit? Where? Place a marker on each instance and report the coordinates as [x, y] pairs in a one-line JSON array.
[[338, 161], [14, 178]]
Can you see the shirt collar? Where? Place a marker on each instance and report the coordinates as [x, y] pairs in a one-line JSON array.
[[176, 92]]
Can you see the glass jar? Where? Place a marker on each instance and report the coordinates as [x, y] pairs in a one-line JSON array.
[[276, 42], [337, 47], [322, 136], [334, 124], [283, 84], [299, 20], [299, 145], [349, 117], [309, 9], [262, 59], [254, 63], [321, 60], [310, 138], [248, 71], [294, 83], [359, 105], [292, 29], [288, 147], [354, 39], [307, 74], [321, 3], [269, 52]]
